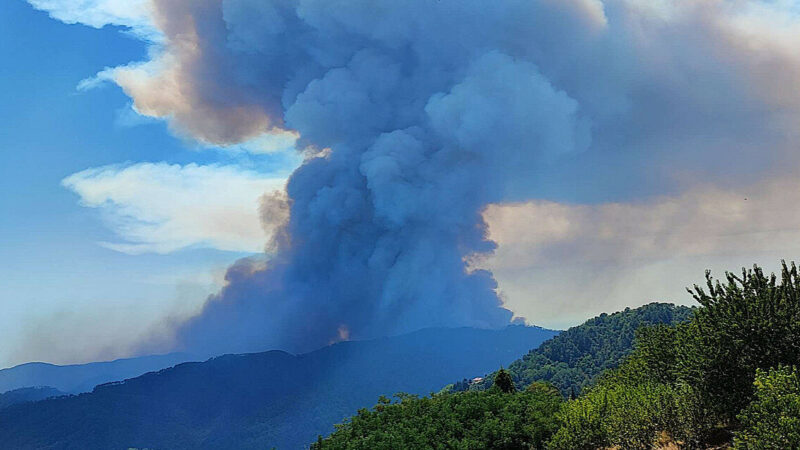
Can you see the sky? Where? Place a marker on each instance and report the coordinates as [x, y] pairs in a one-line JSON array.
[[236, 175], [63, 260]]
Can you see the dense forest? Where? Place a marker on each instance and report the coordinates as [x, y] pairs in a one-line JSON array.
[[725, 377], [576, 357]]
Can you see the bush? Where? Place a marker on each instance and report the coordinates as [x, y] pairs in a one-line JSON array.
[[638, 404], [619, 412], [772, 420], [581, 424]]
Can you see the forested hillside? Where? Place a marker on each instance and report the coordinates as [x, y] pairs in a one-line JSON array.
[[260, 400], [727, 377], [576, 357], [29, 394]]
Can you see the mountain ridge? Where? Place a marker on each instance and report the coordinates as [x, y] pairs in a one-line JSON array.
[[258, 400], [78, 378]]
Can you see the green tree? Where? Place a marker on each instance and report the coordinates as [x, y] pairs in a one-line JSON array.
[[655, 350], [749, 322], [504, 382]]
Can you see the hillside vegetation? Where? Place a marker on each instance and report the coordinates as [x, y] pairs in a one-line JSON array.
[[575, 358], [727, 376], [467, 420]]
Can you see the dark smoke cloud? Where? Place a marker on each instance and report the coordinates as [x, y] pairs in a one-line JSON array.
[[425, 127], [423, 112]]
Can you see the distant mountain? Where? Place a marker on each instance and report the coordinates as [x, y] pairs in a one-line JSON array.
[[77, 378], [28, 394], [576, 357], [260, 400]]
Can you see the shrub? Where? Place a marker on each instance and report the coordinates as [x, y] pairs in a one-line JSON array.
[[618, 412], [772, 420]]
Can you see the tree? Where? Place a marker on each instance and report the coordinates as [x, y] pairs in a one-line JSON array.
[[504, 382], [752, 321]]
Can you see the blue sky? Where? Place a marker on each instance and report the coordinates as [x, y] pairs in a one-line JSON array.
[[612, 149], [51, 262]]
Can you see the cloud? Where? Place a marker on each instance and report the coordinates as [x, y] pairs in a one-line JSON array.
[[158, 207], [159, 88], [562, 262], [134, 14]]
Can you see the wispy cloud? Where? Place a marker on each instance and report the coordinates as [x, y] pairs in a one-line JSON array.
[[158, 207], [134, 14]]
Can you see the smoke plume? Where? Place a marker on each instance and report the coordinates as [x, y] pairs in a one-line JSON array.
[[419, 120], [416, 115]]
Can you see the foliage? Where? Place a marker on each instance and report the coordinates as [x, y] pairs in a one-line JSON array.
[[690, 380], [621, 412], [772, 420], [466, 420], [575, 358]]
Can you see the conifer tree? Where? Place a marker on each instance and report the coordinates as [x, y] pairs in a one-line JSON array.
[[504, 382]]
